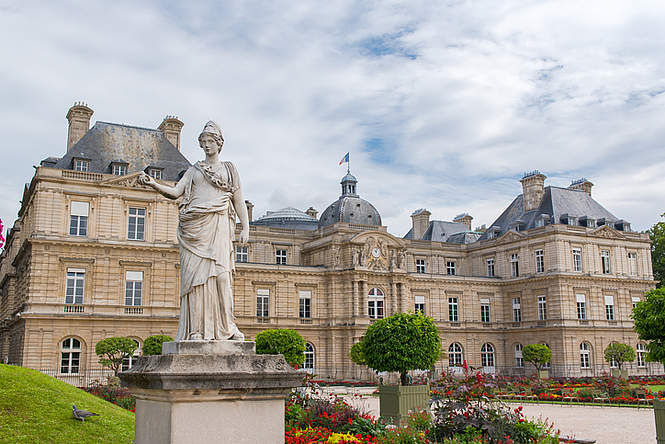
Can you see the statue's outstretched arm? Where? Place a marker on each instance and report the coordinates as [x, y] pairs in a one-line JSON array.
[[165, 190]]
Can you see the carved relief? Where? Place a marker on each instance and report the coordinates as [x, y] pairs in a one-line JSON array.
[[607, 232]]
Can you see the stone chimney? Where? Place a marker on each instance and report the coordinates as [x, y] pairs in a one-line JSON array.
[[464, 218], [171, 128], [250, 210], [79, 122], [581, 184], [420, 221], [533, 189], [312, 212]]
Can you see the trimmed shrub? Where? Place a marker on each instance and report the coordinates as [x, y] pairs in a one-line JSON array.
[[153, 344], [400, 343], [282, 341]]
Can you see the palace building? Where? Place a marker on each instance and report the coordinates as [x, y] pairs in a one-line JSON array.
[[94, 254]]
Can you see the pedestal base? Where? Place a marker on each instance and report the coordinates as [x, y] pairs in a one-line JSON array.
[[213, 392]]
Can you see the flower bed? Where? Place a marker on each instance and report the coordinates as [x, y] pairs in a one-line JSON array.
[[605, 389], [114, 394]]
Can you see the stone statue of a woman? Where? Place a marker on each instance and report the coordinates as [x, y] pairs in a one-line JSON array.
[[211, 198]]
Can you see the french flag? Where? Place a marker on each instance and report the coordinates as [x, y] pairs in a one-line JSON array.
[[345, 159]]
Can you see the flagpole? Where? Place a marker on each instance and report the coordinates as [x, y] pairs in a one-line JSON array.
[[348, 165]]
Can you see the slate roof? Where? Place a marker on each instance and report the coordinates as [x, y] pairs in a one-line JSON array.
[[556, 203], [288, 217], [140, 147], [350, 207], [443, 231]]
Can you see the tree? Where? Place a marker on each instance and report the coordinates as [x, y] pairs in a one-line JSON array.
[[619, 353], [282, 341], [401, 343], [153, 344], [537, 354], [112, 351], [657, 235], [356, 354], [649, 316]]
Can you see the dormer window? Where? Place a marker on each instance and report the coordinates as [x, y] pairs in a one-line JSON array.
[[622, 225], [119, 168], [588, 222], [80, 164], [541, 220], [155, 173], [568, 220]]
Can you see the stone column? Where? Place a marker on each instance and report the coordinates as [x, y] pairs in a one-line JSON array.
[[363, 299], [354, 297], [210, 391], [393, 298]]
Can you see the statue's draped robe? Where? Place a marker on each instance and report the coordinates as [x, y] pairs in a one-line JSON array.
[[205, 233]]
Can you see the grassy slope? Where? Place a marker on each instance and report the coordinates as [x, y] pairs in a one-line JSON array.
[[35, 408]]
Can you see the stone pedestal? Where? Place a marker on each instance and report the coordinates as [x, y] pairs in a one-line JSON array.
[[210, 391]]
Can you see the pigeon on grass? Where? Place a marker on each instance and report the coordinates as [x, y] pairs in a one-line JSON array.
[[81, 414]]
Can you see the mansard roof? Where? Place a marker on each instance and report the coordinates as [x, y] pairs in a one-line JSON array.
[[106, 142], [443, 231], [557, 203]]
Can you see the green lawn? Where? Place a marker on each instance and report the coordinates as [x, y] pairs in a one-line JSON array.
[[653, 388], [35, 408]]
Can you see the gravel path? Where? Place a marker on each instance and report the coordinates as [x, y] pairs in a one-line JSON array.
[[607, 425]]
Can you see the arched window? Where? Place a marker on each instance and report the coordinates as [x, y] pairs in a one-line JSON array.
[[70, 356], [309, 358], [585, 355], [455, 355], [613, 363], [487, 355], [519, 362], [375, 303], [641, 355], [129, 361]]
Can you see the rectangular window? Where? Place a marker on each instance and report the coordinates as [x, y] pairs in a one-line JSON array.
[[453, 313], [419, 303], [136, 224], [490, 267], [305, 311], [542, 308], [451, 268], [242, 254], [75, 286], [605, 261], [635, 301], [540, 261], [155, 173], [485, 311], [514, 265], [119, 170], [375, 308], [420, 266], [517, 310], [609, 308], [262, 300], [80, 165], [641, 352], [133, 288], [632, 264], [581, 307], [280, 257], [78, 219], [577, 259]]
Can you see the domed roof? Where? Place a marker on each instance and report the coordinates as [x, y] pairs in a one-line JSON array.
[[288, 217], [350, 207]]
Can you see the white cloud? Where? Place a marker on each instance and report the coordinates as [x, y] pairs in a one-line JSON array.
[[464, 96]]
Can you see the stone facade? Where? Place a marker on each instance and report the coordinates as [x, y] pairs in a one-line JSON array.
[[61, 292]]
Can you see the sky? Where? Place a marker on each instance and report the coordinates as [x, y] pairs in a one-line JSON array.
[[442, 105]]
